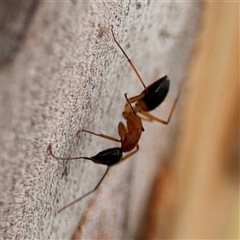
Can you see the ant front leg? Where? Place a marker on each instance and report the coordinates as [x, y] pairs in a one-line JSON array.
[[136, 98], [150, 117]]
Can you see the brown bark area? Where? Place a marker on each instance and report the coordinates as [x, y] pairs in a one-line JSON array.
[[203, 177]]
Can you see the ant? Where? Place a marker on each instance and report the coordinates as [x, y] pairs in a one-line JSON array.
[[129, 137], [150, 98]]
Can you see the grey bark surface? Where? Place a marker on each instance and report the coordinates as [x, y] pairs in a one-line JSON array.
[[67, 75]]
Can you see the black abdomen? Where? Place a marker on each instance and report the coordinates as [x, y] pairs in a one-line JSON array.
[[108, 157], [156, 93]]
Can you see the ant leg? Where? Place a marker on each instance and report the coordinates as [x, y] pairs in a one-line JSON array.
[[145, 119], [133, 100], [99, 135], [130, 154], [136, 98], [122, 131], [128, 59], [150, 118], [86, 194], [153, 118], [132, 117]]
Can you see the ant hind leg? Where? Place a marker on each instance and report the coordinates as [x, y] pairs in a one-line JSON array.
[[131, 153], [86, 194]]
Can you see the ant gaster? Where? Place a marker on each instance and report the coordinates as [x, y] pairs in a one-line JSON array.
[[150, 98]]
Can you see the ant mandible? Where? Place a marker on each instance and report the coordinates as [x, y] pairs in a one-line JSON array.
[[150, 98]]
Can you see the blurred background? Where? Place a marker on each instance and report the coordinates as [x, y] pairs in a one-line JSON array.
[[196, 196]]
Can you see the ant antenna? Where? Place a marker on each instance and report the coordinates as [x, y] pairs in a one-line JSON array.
[[140, 123], [49, 149], [125, 95], [129, 60]]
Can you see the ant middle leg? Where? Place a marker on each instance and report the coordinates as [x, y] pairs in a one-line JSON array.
[[99, 135], [131, 153]]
